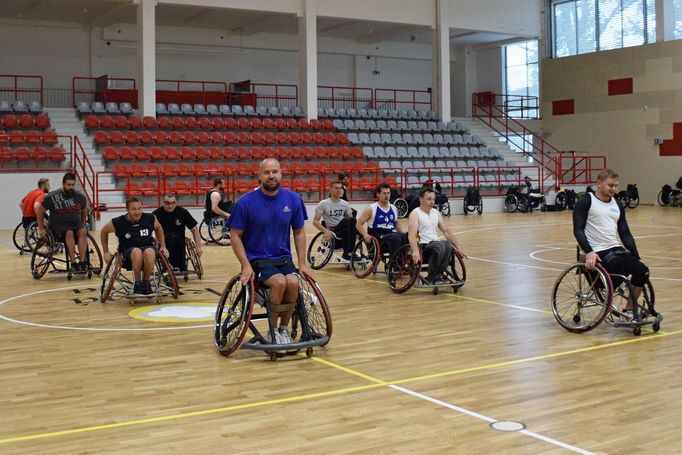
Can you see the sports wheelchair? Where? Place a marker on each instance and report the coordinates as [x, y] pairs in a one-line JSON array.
[[365, 258], [192, 261], [524, 203], [235, 317], [400, 204], [629, 197], [582, 299], [403, 273], [25, 239], [668, 196], [215, 231], [48, 252], [472, 201], [116, 285]]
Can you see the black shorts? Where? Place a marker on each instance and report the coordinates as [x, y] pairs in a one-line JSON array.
[[26, 220], [265, 268], [621, 262]]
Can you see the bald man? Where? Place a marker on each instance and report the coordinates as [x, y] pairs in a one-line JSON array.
[[260, 226]]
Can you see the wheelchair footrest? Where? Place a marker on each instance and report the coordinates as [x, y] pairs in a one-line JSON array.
[[286, 347]]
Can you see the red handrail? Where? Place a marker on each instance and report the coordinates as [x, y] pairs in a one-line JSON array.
[[97, 92], [344, 97], [16, 79], [85, 174], [205, 88], [278, 95], [396, 98]]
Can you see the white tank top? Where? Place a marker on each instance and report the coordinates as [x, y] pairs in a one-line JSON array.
[[601, 228], [428, 225]]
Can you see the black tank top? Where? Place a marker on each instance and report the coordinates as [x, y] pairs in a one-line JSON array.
[[208, 206], [131, 235]]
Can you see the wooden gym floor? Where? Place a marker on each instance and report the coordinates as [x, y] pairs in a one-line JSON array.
[[411, 373]]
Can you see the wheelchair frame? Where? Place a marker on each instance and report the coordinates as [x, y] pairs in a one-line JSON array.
[[590, 298], [163, 281], [235, 317], [192, 260], [403, 273], [469, 206], [43, 257]]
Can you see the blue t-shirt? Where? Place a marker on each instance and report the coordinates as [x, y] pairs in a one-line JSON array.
[[265, 222]]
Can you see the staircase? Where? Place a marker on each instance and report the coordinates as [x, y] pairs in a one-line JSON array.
[[66, 123]]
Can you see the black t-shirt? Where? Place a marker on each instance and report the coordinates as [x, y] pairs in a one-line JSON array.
[[131, 235], [175, 222]]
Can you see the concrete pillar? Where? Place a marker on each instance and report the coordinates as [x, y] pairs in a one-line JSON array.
[[665, 20], [146, 53], [441, 62], [307, 56]]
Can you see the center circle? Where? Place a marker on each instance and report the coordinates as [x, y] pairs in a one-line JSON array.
[[175, 312]]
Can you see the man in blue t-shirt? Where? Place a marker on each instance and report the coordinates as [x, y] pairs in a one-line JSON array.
[[260, 225]]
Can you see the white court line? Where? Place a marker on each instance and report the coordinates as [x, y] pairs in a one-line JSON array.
[[516, 265], [84, 329], [489, 419]]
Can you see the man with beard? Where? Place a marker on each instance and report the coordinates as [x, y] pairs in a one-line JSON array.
[[214, 204], [135, 242], [68, 211], [31, 199], [260, 226], [174, 220], [381, 221], [422, 229]]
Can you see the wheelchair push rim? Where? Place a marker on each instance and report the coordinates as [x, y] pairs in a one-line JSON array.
[[365, 258], [233, 315], [402, 271], [581, 298], [319, 251]]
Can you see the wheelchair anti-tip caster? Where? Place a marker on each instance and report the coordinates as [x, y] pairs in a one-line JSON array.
[[637, 331], [309, 352], [273, 356]]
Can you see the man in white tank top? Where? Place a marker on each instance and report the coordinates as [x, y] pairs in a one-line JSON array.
[[422, 230]]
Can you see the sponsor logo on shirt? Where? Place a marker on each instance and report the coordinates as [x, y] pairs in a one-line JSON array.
[[286, 209]]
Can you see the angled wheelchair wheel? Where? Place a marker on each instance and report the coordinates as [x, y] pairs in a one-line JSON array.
[[110, 276], [524, 205], [203, 231], [633, 202], [233, 315], [42, 256], [164, 281], [19, 239], [457, 268], [402, 207], [511, 203], [320, 251], [663, 201], [365, 258], [479, 207], [560, 201], [193, 258], [402, 271], [316, 322], [581, 298], [216, 231], [32, 236], [94, 256]]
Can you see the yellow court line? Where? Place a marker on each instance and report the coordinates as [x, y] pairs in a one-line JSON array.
[[191, 414], [376, 384], [475, 299]]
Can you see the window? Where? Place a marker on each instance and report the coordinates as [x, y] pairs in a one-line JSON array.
[[677, 12], [521, 79], [580, 26]]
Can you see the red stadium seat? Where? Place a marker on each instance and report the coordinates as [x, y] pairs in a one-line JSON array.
[[282, 138], [243, 123], [230, 138], [316, 124], [217, 123], [341, 138], [191, 123], [188, 137], [50, 137], [172, 153], [181, 188], [186, 153], [256, 138], [227, 168], [107, 121], [330, 138], [10, 121], [327, 124], [109, 153], [205, 123], [6, 154], [268, 152], [40, 154], [126, 153], [92, 122], [56, 153], [242, 153], [198, 169], [131, 137], [281, 152], [216, 153], [303, 124], [184, 169], [212, 169], [230, 153], [269, 138], [135, 122], [200, 153], [294, 138], [243, 137], [177, 123], [269, 124], [33, 137], [230, 123], [121, 122], [23, 154], [132, 189], [308, 152], [26, 121], [164, 122], [168, 170], [296, 153], [152, 169], [120, 170], [157, 153], [146, 137], [330, 152], [149, 189], [161, 137], [241, 168], [292, 124], [202, 137], [141, 154], [42, 121], [101, 137], [280, 124], [255, 124], [136, 170], [151, 122], [216, 137]]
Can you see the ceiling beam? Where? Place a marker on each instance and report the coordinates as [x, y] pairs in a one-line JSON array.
[[106, 17], [385, 35], [196, 16]]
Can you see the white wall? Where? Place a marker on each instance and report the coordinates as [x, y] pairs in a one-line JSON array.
[[15, 186]]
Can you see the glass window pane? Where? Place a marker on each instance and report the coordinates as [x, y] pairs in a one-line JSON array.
[[564, 29], [677, 8], [587, 26]]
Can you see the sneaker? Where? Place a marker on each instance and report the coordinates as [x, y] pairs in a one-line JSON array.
[[145, 288], [136, 287], [83, 266], [429, 280], [285, 336]]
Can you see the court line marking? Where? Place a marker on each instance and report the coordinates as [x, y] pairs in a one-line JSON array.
[[376, 384], [488, 419]]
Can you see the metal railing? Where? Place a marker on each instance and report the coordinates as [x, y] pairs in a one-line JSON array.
[[21, 87]]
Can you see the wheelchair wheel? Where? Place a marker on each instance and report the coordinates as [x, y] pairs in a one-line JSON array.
[[94, 256], [42, 256], [524, 205], [622, 197], [479, 207], [402, 271], [217, 232], [193, 258], [233, 315], [203, 231], [164, 279], [457, 267], [401, 206], [444, 208], [111, 272], [317, 316], [511, 203], [365, 258], [633, 202], [581, 298], [662, 200], [560, 201], [320, 251], [19, 239]]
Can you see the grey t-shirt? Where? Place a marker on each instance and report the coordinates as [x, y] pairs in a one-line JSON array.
[[65, 209], [333, 212]]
